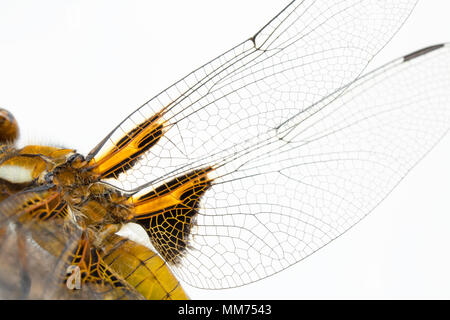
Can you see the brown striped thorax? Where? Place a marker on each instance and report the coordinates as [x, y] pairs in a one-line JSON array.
[[58, 184]]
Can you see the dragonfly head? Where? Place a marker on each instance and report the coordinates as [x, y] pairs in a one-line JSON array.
[[9, 130]]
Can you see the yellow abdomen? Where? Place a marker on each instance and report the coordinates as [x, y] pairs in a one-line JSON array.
[[143, 269]]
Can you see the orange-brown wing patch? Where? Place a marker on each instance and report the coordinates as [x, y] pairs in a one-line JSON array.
[[97, 276], [168, 212], [39, 204], [143, 269], [126, 152], [43, 206]]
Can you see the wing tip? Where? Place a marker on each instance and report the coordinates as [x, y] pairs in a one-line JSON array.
[[423, 51]]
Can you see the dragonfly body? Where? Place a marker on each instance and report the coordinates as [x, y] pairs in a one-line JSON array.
[[60, 186], [244, 167]]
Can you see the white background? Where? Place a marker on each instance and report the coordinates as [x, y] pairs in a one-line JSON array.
[[71, 70]]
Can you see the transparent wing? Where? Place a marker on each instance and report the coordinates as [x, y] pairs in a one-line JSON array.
[[305, 53], [280, 196]]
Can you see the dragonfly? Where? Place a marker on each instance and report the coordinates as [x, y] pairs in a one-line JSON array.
[[273, 165]]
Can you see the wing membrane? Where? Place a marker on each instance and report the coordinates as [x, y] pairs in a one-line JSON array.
[[283, 195], [300, 150], [307, 52]]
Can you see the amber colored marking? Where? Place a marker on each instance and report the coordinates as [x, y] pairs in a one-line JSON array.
[[95, 212], [34, 164], [143, 269], [9, 130], [131, 270], [50, 152], [167, 212], [92, 267], [129, 148], [32, 211], [94, 271], [44, 208], [41, 207], [30, 162]]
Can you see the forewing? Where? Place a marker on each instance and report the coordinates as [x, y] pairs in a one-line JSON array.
[[305, 53], [282, 195]]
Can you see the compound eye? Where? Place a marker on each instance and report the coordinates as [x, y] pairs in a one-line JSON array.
[[9, 130]]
